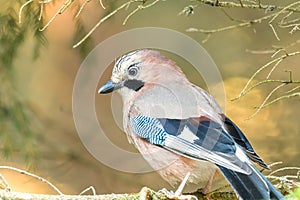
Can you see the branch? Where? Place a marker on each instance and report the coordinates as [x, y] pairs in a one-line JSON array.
[[31, 175], [297, 94], [61, 10], [266, 99], [276, 61], [263, 82], [21, 9], [101, 21], [123, 6], [290, 9], [139, 7], [145, 193], [289, 180], [258, 5], [209, 32]]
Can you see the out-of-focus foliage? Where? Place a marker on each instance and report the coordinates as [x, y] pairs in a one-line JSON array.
[[15, 127], [16, 134], [13, 31], [294, 195]]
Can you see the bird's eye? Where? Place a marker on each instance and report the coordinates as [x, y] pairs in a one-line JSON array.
[[132, 70]]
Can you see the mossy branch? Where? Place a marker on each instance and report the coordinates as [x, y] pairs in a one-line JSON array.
[[285, 183], [145, 193]]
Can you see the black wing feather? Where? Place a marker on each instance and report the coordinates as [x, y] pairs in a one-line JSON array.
[[241, 140]]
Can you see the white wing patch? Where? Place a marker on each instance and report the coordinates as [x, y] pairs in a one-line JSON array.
[[188, 135], [241, 155]]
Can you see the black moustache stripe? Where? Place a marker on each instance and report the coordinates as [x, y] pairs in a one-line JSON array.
[[134, 84]]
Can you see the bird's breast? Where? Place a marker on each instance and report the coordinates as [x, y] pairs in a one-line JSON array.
[[172, 167]]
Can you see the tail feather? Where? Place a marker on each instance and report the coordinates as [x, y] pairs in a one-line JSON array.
[[251, 187]]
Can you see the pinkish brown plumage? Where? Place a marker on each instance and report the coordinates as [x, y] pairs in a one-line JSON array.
[[180, 129]]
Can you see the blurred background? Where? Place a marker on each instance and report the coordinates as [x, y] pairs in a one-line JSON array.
[[37, 128]]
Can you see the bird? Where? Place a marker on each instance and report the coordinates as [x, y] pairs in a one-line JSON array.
[[168, 118]]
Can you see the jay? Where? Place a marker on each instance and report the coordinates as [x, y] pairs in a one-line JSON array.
[[168, 118]]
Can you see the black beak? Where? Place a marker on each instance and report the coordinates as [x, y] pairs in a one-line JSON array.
[[108, 87]]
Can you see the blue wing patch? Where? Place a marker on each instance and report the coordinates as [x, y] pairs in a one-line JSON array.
[[149, 129]]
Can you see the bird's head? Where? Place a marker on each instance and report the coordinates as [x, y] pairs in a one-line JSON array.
[[136, 69]]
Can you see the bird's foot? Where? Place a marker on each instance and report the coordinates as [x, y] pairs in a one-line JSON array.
[[172, 195], [178, 193]]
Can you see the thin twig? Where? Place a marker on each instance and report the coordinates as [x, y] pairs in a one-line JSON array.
[[6, 185], [290, 76], [296, 28], [266, 99], [101, 21], [275, 163], [34, 176], [65, 5], [41, 11], [292, 90], [269, 51], [274, 31], [242, 93], [206, 38], [102, 5], [87, 189], [21, 10], [81, 8], [291, 177], [285, 17], [265, 82], [226, 4], [272, 17], [226, 28], [282, 24], [139, 7], [279, 13], [283, 169], [282, 97], [132, 13], [286, 8], [275, 50], [273, 68], [241, 3], [278, 51], [231, 18]]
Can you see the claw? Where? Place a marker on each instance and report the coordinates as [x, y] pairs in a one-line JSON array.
[[178, 193]]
